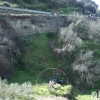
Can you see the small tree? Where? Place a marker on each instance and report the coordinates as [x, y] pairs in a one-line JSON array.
[[81, 66], [90, 7], [80, 4], [69, 39], [9, 53]]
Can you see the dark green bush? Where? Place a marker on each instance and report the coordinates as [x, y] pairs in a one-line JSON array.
[[90, 7], [28, 1], [80, 4], [51, 35], [5, 68]]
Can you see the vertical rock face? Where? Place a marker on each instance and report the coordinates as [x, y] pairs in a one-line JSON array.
[[31, 24], [27, 25]]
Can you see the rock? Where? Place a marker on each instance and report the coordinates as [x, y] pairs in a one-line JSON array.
[[56, 86]]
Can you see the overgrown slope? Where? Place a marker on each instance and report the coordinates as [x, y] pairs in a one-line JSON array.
[[37, 56]]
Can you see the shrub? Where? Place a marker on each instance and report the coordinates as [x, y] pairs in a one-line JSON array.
[[84, 56], [87, 12], [94, 30], [15, 91], [90, 7], [98, 13], [6, 4], [5, 67], [69, 39], [82, 66], [87, 29], [85, 61], [80, 4], [28, 1], [81, 27], [9, 53], [50, 35]]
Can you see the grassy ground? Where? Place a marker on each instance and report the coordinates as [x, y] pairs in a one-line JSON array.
[[83, 97], [35, 58]]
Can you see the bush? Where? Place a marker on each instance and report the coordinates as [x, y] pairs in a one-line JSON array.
[[81, 27], [28, 1], [51, 35], [90, 7], [6, 4], [69, 39], [80, 4], [9, 53], [87, 12], [5, 67], [81, 41], [15, 91], [98, 13]]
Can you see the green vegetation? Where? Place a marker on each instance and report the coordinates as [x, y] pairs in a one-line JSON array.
[[94, 46], [88, 6], [44, 90], [82, 6], [44, 5], [36, 57], [8, 4], [15, 91], [68, 10], [33, 4], [75, 53], [83, 97]]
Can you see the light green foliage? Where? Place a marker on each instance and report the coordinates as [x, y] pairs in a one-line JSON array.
[[46, 91], [69, 10], [26, 91], [15, 91], [8, 3], [83, 97], [93, 45]]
